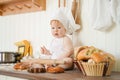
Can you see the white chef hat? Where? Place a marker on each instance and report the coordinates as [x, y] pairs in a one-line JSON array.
[[65, 17]]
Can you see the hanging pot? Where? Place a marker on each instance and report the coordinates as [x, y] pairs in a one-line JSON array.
[[9, 57]]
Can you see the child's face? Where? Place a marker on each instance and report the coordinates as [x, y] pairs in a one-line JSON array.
[[57, 29]]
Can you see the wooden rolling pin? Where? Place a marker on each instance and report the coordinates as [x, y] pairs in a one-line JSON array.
[[74, 7], [45, 61], [59, 3]]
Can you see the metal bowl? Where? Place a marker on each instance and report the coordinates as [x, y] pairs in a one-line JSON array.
[[8, 57]]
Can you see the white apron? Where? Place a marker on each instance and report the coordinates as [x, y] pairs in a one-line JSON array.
[[57, 47]]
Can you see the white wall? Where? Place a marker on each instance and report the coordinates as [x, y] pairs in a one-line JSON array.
[[35, 28], [30, 26]]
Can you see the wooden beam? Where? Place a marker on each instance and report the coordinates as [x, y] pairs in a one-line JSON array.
[[40, 3], [27, 5], [8, 7], [18, 6], [1, 11], [11, 8], [9, 1]]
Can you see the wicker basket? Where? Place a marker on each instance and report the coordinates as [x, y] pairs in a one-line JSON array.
[[110, 67], [92, 69]]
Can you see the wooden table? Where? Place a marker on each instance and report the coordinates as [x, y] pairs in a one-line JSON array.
[[68, 75]]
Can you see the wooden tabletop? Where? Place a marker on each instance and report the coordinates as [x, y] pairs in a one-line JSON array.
[[67, 75]]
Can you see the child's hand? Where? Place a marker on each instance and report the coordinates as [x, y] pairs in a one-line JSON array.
[[45, 51], [68, 60]]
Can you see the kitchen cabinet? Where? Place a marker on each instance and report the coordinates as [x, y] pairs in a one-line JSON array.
[[8, 7]]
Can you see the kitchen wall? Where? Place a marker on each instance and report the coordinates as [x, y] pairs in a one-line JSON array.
[[35, 28], [30, 26]]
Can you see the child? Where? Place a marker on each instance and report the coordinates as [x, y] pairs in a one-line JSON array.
[[61, 47]]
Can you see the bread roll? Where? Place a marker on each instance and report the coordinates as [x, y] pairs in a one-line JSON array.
[[55, 69], [91, 61], [109, 57], [83, 55], [21, 66], [98, 57], [78, 49]]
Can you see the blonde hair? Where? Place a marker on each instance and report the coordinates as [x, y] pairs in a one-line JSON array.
[[57, 21]]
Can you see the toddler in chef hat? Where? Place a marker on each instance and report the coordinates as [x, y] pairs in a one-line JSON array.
[[61, 47], [65, 16]]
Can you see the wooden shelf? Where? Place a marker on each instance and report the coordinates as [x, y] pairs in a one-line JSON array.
[[8, 7]]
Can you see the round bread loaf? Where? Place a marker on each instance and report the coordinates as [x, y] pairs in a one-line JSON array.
[[36, 68]]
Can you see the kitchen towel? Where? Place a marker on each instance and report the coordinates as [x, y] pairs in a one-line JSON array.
[[104, 13]]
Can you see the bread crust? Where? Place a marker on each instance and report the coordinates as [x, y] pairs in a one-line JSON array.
[[98, 57], [21, 66]]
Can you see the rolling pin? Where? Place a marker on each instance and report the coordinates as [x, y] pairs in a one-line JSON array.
[[45, 61]]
